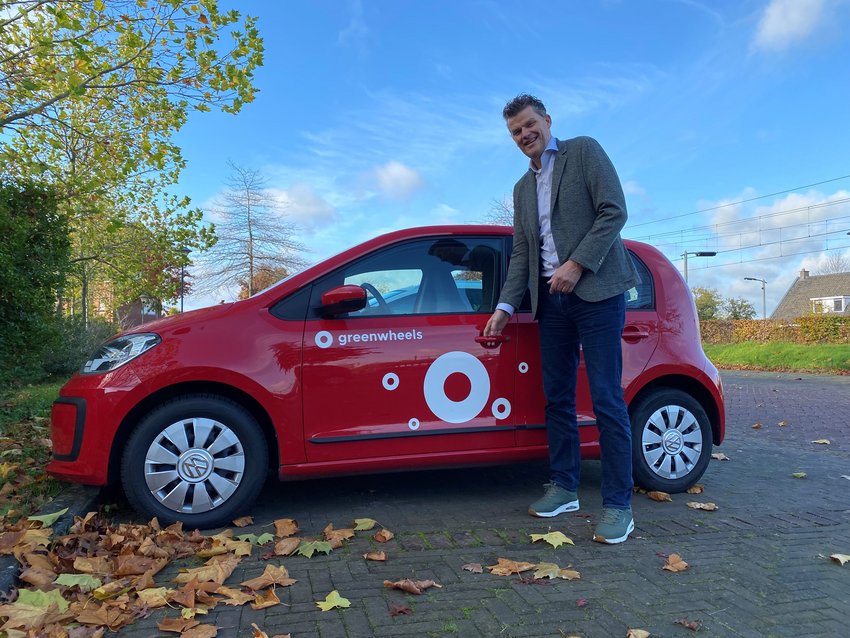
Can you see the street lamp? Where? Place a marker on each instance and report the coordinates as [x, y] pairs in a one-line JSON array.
[[185, 252], [700, 253], [763, 298]]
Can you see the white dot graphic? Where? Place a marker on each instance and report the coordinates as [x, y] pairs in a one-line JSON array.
[[324, 339], [413, 424], [501, 408], [523, 367], [435, 394], [390, 381]]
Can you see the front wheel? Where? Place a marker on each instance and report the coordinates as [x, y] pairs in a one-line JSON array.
[[199, 459], [671, 441]]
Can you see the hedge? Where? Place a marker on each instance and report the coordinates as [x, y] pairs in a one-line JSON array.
[[806, 329]]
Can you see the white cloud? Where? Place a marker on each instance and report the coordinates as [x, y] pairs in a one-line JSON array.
[[303, 206], [397, 181], [631, 187], [788, 22]]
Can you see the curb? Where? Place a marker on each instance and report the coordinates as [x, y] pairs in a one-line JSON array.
[[79, 499]]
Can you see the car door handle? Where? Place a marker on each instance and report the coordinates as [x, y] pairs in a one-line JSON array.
[[492, 341], [631, 333]]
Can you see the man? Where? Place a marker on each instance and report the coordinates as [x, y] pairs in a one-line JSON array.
[[568, 212]]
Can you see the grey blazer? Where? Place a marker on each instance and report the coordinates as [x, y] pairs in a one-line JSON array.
[[588, 211]]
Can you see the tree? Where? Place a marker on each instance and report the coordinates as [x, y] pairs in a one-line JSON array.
[[263, 278], [501, 212], [91, 94], [738, 308], [834, 262], [253, 234], [708, 302]]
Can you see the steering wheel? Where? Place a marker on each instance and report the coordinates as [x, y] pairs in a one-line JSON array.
[[379, 298]]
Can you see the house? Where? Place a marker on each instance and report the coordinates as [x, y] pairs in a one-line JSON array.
[[815, 294]]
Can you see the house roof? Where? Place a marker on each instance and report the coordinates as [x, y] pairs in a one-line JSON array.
[[798, 299]]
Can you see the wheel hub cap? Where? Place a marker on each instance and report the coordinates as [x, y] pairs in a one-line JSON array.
[[195, 465], [672, 442]]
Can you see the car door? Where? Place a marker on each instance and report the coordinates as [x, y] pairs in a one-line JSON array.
[[405, 375], [639, 340]]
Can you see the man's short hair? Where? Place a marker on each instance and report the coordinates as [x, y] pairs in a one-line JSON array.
[[521, 102]]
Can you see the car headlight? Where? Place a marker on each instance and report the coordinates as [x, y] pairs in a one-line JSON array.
[[114, 354]]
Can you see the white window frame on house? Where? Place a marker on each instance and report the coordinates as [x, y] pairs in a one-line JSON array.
[[836, 303]]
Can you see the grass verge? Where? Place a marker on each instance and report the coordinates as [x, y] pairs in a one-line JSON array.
[[25, 449], [826, 358]]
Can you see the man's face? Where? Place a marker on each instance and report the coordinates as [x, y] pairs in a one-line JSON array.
[[530, 131]]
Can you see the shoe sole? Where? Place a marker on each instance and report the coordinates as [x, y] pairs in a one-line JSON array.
[[614, 541], [572, 506]]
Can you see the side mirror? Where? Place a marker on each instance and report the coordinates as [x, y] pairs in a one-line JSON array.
[[342, 299]]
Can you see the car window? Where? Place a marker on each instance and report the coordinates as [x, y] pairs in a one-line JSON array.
[[447, 275], [640, 297]]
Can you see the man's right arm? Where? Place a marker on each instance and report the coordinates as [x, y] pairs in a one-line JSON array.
[[516, 281]]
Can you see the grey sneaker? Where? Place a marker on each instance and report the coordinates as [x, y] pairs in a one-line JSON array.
[[615, 526], [555, 501]]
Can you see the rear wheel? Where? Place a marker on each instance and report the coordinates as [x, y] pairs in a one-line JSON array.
[[200, 459], [671, 441]]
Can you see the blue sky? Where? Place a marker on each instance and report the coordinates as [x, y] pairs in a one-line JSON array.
[[384, 114]]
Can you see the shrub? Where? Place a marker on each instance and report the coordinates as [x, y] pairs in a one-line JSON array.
[[77, 342]]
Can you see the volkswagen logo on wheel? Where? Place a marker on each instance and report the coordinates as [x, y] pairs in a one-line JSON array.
[[195, 466], [673, 442]]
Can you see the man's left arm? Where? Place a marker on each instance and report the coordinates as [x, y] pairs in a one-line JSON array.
[[609, 204]]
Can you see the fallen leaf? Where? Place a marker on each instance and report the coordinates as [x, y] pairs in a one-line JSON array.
[[845, 476], [637, 633], [708, 507], [154, 597], [696, 489], [201, 631], [217, 570], [757, 426], [822, 441], [375, 556], [675, 564], [719, 456], [551, 570], [782, 424], [333, 601], [262, 539], [336, 536], [661, 497], [234, 597], [273, 575], [840, 558], [284, 527], [85, 582], [581, 602], [505, 567], [411, 586], [401, 610], [364, 524], [475, 568], [693, 625], [244, 521], [287, 546], [309, 548], [799, 475], [264, 599], [555, 539], [47, 520], [383, 536], [177, 625]]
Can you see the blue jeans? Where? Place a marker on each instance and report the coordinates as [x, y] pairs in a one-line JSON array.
[[566, 321]]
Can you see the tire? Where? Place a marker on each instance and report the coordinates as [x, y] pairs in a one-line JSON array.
[[671, 441], [168, 472]]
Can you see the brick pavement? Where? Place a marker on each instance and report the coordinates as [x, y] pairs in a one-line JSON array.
[[759, 565]]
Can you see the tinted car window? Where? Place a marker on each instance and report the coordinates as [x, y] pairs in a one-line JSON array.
[[642, 296], [438, 276]]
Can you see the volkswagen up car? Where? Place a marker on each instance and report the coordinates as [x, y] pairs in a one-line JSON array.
[[370, 361]]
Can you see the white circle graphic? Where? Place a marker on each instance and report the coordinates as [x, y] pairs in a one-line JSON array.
[[523, 367], [435, 395], [413, 424], [501, 408], [324, 339], [390, 381]]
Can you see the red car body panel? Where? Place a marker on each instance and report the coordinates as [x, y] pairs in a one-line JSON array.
[[362, 405]]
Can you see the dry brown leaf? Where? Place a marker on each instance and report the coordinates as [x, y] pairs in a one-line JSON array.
[[782, 424], [379, 556], [26, 617], [757, 426], [383, 536], [273, 575], [411, 586], [719, 456], [287, 546], [693, 625], [265, 599], [637, 633], [675, 564], [244, 521], [38, 578], [217, 570], [177, 625], [95, 565], [234, 597], [505, 567], [336, 536], [400, 610], [475, 568], [201, 631], [822, 442], [284, 527], [108, 615], [708, 507], [840, 558], [661, 497], [551, 570], [154, 597], [696, 489]]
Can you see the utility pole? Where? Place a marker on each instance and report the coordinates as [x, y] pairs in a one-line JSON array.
[[763, 295], [699, 253]]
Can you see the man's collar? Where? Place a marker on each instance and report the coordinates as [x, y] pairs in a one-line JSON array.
[[551, 146]]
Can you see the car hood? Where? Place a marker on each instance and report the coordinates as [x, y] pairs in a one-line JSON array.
[[183, 319]]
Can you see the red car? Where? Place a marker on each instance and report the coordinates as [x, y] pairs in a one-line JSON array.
[[370, 361]]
